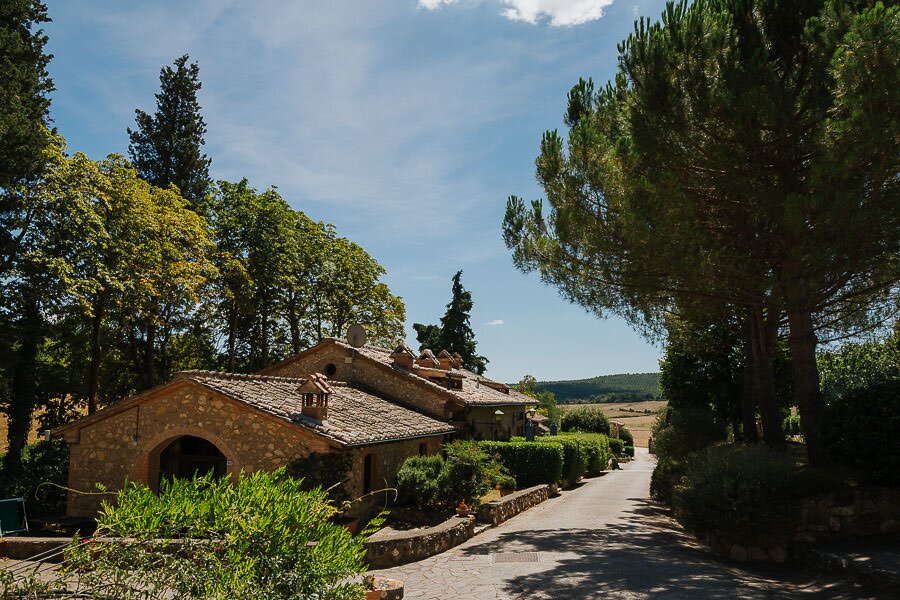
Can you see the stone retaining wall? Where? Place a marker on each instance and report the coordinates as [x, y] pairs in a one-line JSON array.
[[497, 511], [390, 547], [839, 515]]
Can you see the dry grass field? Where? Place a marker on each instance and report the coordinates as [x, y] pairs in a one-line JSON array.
[[32, 437], [638, 417]]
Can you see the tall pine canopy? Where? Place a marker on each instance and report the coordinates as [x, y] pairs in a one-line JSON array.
[[166, 147], [454, 334]]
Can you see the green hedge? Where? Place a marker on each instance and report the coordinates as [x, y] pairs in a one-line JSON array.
[[617, 446], [45, 473], [596, 447], [629, 451], [530, 463]]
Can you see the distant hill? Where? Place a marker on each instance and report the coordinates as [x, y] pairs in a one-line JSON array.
[[626, 387]]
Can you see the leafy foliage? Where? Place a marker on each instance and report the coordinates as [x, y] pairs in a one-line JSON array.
[[678, 433], [45, 472], [862, 427], [604, 388], [454, 334], [616, 446], [328, 472], [588, 419], [166, 147], [529, 462], [261, 537], [437, 484], [546, 400], [737, 487]]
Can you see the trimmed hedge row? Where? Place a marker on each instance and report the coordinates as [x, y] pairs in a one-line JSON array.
[[530, 463], [580, 453], [617, 446]]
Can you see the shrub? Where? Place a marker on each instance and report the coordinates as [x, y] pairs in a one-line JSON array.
[[436, 484], [45, 471], [665, 477], [680, 432], [791, 425], [469, 473], [260, 537], [417, 483], [587, 419], [862, 431], [529, 462], [596, 448], [575, 456], [626, 436], [629, 451], [740, 488], [617, 446]]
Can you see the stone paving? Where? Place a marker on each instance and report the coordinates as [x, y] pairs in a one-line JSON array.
[[602, 539]]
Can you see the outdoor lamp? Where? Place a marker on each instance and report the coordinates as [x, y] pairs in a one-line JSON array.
[[498, 415]]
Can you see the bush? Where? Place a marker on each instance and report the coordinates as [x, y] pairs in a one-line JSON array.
[[596, 448], [587, 419], [617, 446], [791, 425], [529, 462], [678, 433], [862, 431], [665, 477], [45, 472], [743, 488], [626, 436], [260, 537], [436, 484], [417, 483], [629, 451]]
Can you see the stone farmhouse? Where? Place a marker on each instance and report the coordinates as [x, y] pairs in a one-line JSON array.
[[377, 406]]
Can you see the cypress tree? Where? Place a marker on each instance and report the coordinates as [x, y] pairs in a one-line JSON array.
[[454, 334], [166, 147]]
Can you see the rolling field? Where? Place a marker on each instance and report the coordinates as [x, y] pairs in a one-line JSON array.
[[638, 417], [32, 437]]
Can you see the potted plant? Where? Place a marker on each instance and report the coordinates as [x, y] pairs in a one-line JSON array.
[[462, 509], [382, 588]]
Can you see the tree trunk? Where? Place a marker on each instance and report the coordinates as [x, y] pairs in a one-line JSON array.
[[149, 367], [294, 322], [23, 387], [806, 383], [96, 356], [765, 334], [748, 399], [232, 333]]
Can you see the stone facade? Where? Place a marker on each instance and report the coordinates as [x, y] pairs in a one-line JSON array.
[[128, 443], [498, 511]]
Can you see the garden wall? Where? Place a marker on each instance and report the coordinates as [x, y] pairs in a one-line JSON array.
[[828, 517], [390, 547], [498, 511]]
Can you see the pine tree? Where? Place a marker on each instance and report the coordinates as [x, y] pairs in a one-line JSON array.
[[454, 334], [166, 147]]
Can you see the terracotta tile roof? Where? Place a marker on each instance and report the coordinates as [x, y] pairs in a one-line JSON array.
[[474, 391], [354, 417]]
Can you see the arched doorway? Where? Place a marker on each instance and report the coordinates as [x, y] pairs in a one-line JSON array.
[[190, 456]]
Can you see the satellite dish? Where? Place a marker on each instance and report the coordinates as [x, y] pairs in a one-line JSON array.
[[356, 335]]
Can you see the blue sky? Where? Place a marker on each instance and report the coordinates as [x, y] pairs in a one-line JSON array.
[[406, 124]]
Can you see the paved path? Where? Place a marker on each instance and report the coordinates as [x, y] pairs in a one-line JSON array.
[[603, 539]]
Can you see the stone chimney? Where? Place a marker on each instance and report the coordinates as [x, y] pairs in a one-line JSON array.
[[446, 360], [457, 361], [428, 360], [403, 357], [315, 391]]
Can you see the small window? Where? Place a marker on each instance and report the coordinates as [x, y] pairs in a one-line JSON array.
[[423, 449], [330, 369]]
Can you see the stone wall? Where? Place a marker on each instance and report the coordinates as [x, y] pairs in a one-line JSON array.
[[836, 516], [497, 511], [368, 373], [390, 547], [127, 444]]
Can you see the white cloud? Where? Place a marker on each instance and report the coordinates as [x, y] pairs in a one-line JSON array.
[[561, 13], [495, 322]]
